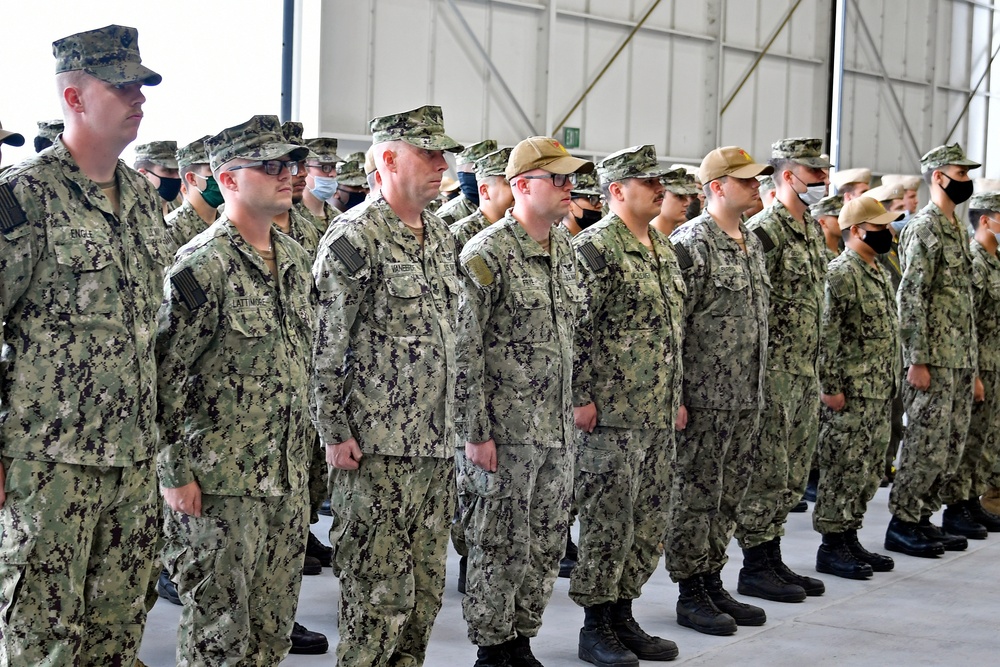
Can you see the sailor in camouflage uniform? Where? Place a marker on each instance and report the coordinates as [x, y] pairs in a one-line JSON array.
[[234, 346], [352, 183], [82, 256], [937, 324], [382, 394], [466, 203], [297, 221], [519, 305], [860, 371], [626, 387], [725, 351], [202, 196], [495, 197], [48, 130], [796, 263], [157, 161], [321, 181]]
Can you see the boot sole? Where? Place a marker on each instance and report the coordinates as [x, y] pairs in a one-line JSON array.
[[858, 576], [967, 534], [707, 630], [919, 553], [587, 656], [790, 597]]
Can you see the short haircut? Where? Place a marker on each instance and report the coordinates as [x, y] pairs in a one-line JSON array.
[[976, 214]]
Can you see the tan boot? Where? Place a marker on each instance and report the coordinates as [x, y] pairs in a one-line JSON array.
[[991, 500]]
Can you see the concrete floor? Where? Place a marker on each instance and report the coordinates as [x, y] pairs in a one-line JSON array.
[[943, 611]]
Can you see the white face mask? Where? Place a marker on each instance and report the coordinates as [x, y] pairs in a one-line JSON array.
[[814, 191], [325, 187]]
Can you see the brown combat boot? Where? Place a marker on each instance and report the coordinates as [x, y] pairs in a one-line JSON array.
[[991, 500]]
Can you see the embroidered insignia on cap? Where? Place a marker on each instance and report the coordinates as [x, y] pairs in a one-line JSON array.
[[11, 214], [477, 268], [188, 289]]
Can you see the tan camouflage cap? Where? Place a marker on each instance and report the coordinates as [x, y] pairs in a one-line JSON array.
[[50, 129], [192, 153], [11, 138], [259, 138], [842, 177], [766, 184], [493, 164], [944, 155], [110, 53], [986, 184], [803, 150], [448, 184], [422, 127], [352, 171], [677, 182], [544, 153], [827, 206], [370, 160], [324, 149], [907, 181], [162, 153], [476, 151], [865, 209], [633, 162], [985, 201], [886, 192], [586, 186], [730, 161]]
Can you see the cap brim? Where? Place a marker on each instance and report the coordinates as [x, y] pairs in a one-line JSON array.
[[588, 192], [11, 138], [275, 151], [882, 220], [567, 165], [752, 171], [814, 162], [437, 142], [967, 163], [129, 73], [326, 157]]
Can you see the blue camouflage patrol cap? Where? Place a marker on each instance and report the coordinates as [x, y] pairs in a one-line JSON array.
[[422, 127], [260, 138], [110, 53]]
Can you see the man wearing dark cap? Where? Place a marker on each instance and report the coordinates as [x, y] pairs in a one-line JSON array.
[[725, 348], [796, 263], [48, 130], [940, 354], [466, 203], [82, 256], [352, 182], [626, 393], [383, 394], [495, 197], [322, 181], [520, 301], [297, 221], [825, 212], [234, 347], [9, 138], [586, 204], [202, 196], [157, 161], [673, 210]]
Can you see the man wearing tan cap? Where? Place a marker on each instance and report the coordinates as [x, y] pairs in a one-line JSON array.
[[495, 197], [860, 372], [796, 263], [911, 185], [725, 348], [520, 301], [626, 389], [9, 138], [851, 183], [383, 394], [465, 204], [82, 255]]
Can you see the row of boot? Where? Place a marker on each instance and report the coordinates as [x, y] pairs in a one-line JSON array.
[[960, 522]]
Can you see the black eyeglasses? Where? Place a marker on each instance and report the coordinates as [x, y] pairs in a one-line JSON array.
[[271, 167], [558, 180], [325, 167], [594, 200]]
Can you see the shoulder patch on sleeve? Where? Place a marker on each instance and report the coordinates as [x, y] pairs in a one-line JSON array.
[[684, 259], [348, 255], [11, 214], [188, 289], [927, 237], [593, 257], [765, 238], [840, 285], [477, 268]]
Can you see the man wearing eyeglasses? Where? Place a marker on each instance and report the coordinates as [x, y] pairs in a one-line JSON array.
[[519, 306], [202, 196], [383, 394], [234, 345], [627, 387]]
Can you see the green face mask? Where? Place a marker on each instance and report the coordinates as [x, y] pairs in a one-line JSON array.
[[211, 194]]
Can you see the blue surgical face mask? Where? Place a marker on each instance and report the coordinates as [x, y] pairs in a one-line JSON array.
[[470, 188], [897, 225], [323, 187]]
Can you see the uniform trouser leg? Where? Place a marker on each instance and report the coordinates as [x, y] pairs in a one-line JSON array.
[[715, 457], [75, 549], [895, 432], [390, 536], [789, 429], [461, 502], [238, 568], [515, 528], [318, 473], [851, 449], [981, 445], [938, 421]]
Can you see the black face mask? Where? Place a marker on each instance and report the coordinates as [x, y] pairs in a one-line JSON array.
[[470, 188], [168, 188], [880, 241], [693, 209], [958, 191], [353, 198], [588, 218], [41, 143]]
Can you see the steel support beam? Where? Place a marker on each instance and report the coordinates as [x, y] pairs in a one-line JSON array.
[[837, 94]]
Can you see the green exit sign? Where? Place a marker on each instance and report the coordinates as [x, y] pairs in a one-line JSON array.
[[571, 137]]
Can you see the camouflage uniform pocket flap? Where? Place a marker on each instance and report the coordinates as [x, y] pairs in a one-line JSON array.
[[731, 278], [404, 286], [81, 249], [485, 484], [597, 461], [530, 299], [250, 323]]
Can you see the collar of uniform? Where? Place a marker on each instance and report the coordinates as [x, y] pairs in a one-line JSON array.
[[950, 226], [629, 242], [877, 272], [529, 246], [278, 240], [399, 231], [805, 229], [977, 249], [720, 238]]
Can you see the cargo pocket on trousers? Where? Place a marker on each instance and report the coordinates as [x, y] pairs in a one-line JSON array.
[[488, 520], [11, 580]]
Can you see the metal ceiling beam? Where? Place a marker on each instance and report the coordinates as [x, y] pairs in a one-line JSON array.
[[972, 95]]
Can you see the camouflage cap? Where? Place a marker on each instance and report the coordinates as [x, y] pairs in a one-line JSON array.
[[293, 132], [544, 153], [805, 151], [352, 171], [827, 206], [730, 161], [50, 129], [493, 164], [676, 181], [842, 177], [192, 153], [259, 138], [908, 182], [985, 201], [766, 183], [886, 192], [694, 187], [162, 153], [422, 127], [11, 138], [324, 149], [633, 162], [476, 151], [586, 186], [943, 155], [866, 209], [110, 53]]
